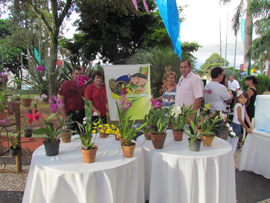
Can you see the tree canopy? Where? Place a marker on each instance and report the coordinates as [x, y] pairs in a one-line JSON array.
[[214, 60]]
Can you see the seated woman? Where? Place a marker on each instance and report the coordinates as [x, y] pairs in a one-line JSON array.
[[96, 92], [168, 97]]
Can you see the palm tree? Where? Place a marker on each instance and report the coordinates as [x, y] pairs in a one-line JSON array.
[[260, 48], [248, 24]]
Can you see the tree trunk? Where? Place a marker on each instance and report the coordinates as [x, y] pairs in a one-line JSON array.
[[52, 66], [248, 39]]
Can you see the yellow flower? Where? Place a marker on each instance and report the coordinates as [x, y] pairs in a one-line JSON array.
[[100, 126], [107, 125], [95, 123], [94, 131], [113, 127], [102, 130]]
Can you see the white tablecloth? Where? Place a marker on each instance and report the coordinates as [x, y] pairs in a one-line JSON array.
[[176, 174], [255, 155], [66, 178]]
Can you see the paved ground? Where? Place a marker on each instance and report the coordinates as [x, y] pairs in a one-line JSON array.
[[250, 187]]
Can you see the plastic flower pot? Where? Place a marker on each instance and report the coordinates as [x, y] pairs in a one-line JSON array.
[[196, 145], [14, 152], [51, 149]]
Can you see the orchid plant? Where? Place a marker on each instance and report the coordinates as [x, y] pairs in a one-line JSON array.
[[88, 128], [180, 116], [127, 132], [49, 129]]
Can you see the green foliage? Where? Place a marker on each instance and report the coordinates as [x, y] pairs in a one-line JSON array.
[[214, 60], [262, 86], [50, 130], [3, 101], [87, 130], [234, 72], [15, 141], [128, 132]]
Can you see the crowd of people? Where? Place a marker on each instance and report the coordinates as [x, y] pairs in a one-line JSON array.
[[189, 90]]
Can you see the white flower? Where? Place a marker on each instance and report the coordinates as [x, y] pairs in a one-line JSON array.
[[233, 134], [44, 78], [84, 118], [95, 114], [84, 122], [228, 125], [44, 96], [230, 128], [176, 110]]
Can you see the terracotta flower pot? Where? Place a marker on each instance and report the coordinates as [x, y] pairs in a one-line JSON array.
[[128, 151], [3, 115], [66, 137], [26, 102], [89, 156], [178, 135], [147, 136], [158, 140], [196, 146], [117, 137], [207, 140], [103, 135], [51, 149]]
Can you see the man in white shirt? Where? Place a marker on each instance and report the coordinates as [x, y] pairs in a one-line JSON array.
[[189, 90], [216, 94]]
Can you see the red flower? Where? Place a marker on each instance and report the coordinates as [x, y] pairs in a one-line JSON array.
[[32, 116]]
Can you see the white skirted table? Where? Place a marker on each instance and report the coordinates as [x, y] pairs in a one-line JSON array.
[[176, 174], [255, 153], [66, 178]]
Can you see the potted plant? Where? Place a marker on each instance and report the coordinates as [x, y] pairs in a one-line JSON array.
[[52, 141], [208, 124], [86, 133], [26, 102], [128, 133], [16, 145], [14, 100], [27, 129], [179, 119], [122, 106], [194, 136], [160, 122], [103, 129], [67, 132]]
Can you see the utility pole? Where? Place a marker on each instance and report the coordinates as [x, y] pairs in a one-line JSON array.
[[227, 34]]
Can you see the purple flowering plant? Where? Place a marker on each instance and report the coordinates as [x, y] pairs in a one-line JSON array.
[[3, 79], [53, 129], [82, 80], [41, 69], [127, 132]]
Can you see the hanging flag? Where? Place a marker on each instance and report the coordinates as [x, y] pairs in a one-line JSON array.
[[169, 14], [144, 4], [243, 30], [135, 4], [146, 7]]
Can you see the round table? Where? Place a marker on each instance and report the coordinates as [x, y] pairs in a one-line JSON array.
[[176, 174], [66, 178]]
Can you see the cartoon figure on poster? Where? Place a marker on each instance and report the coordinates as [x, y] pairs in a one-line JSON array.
[[132, 86]]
